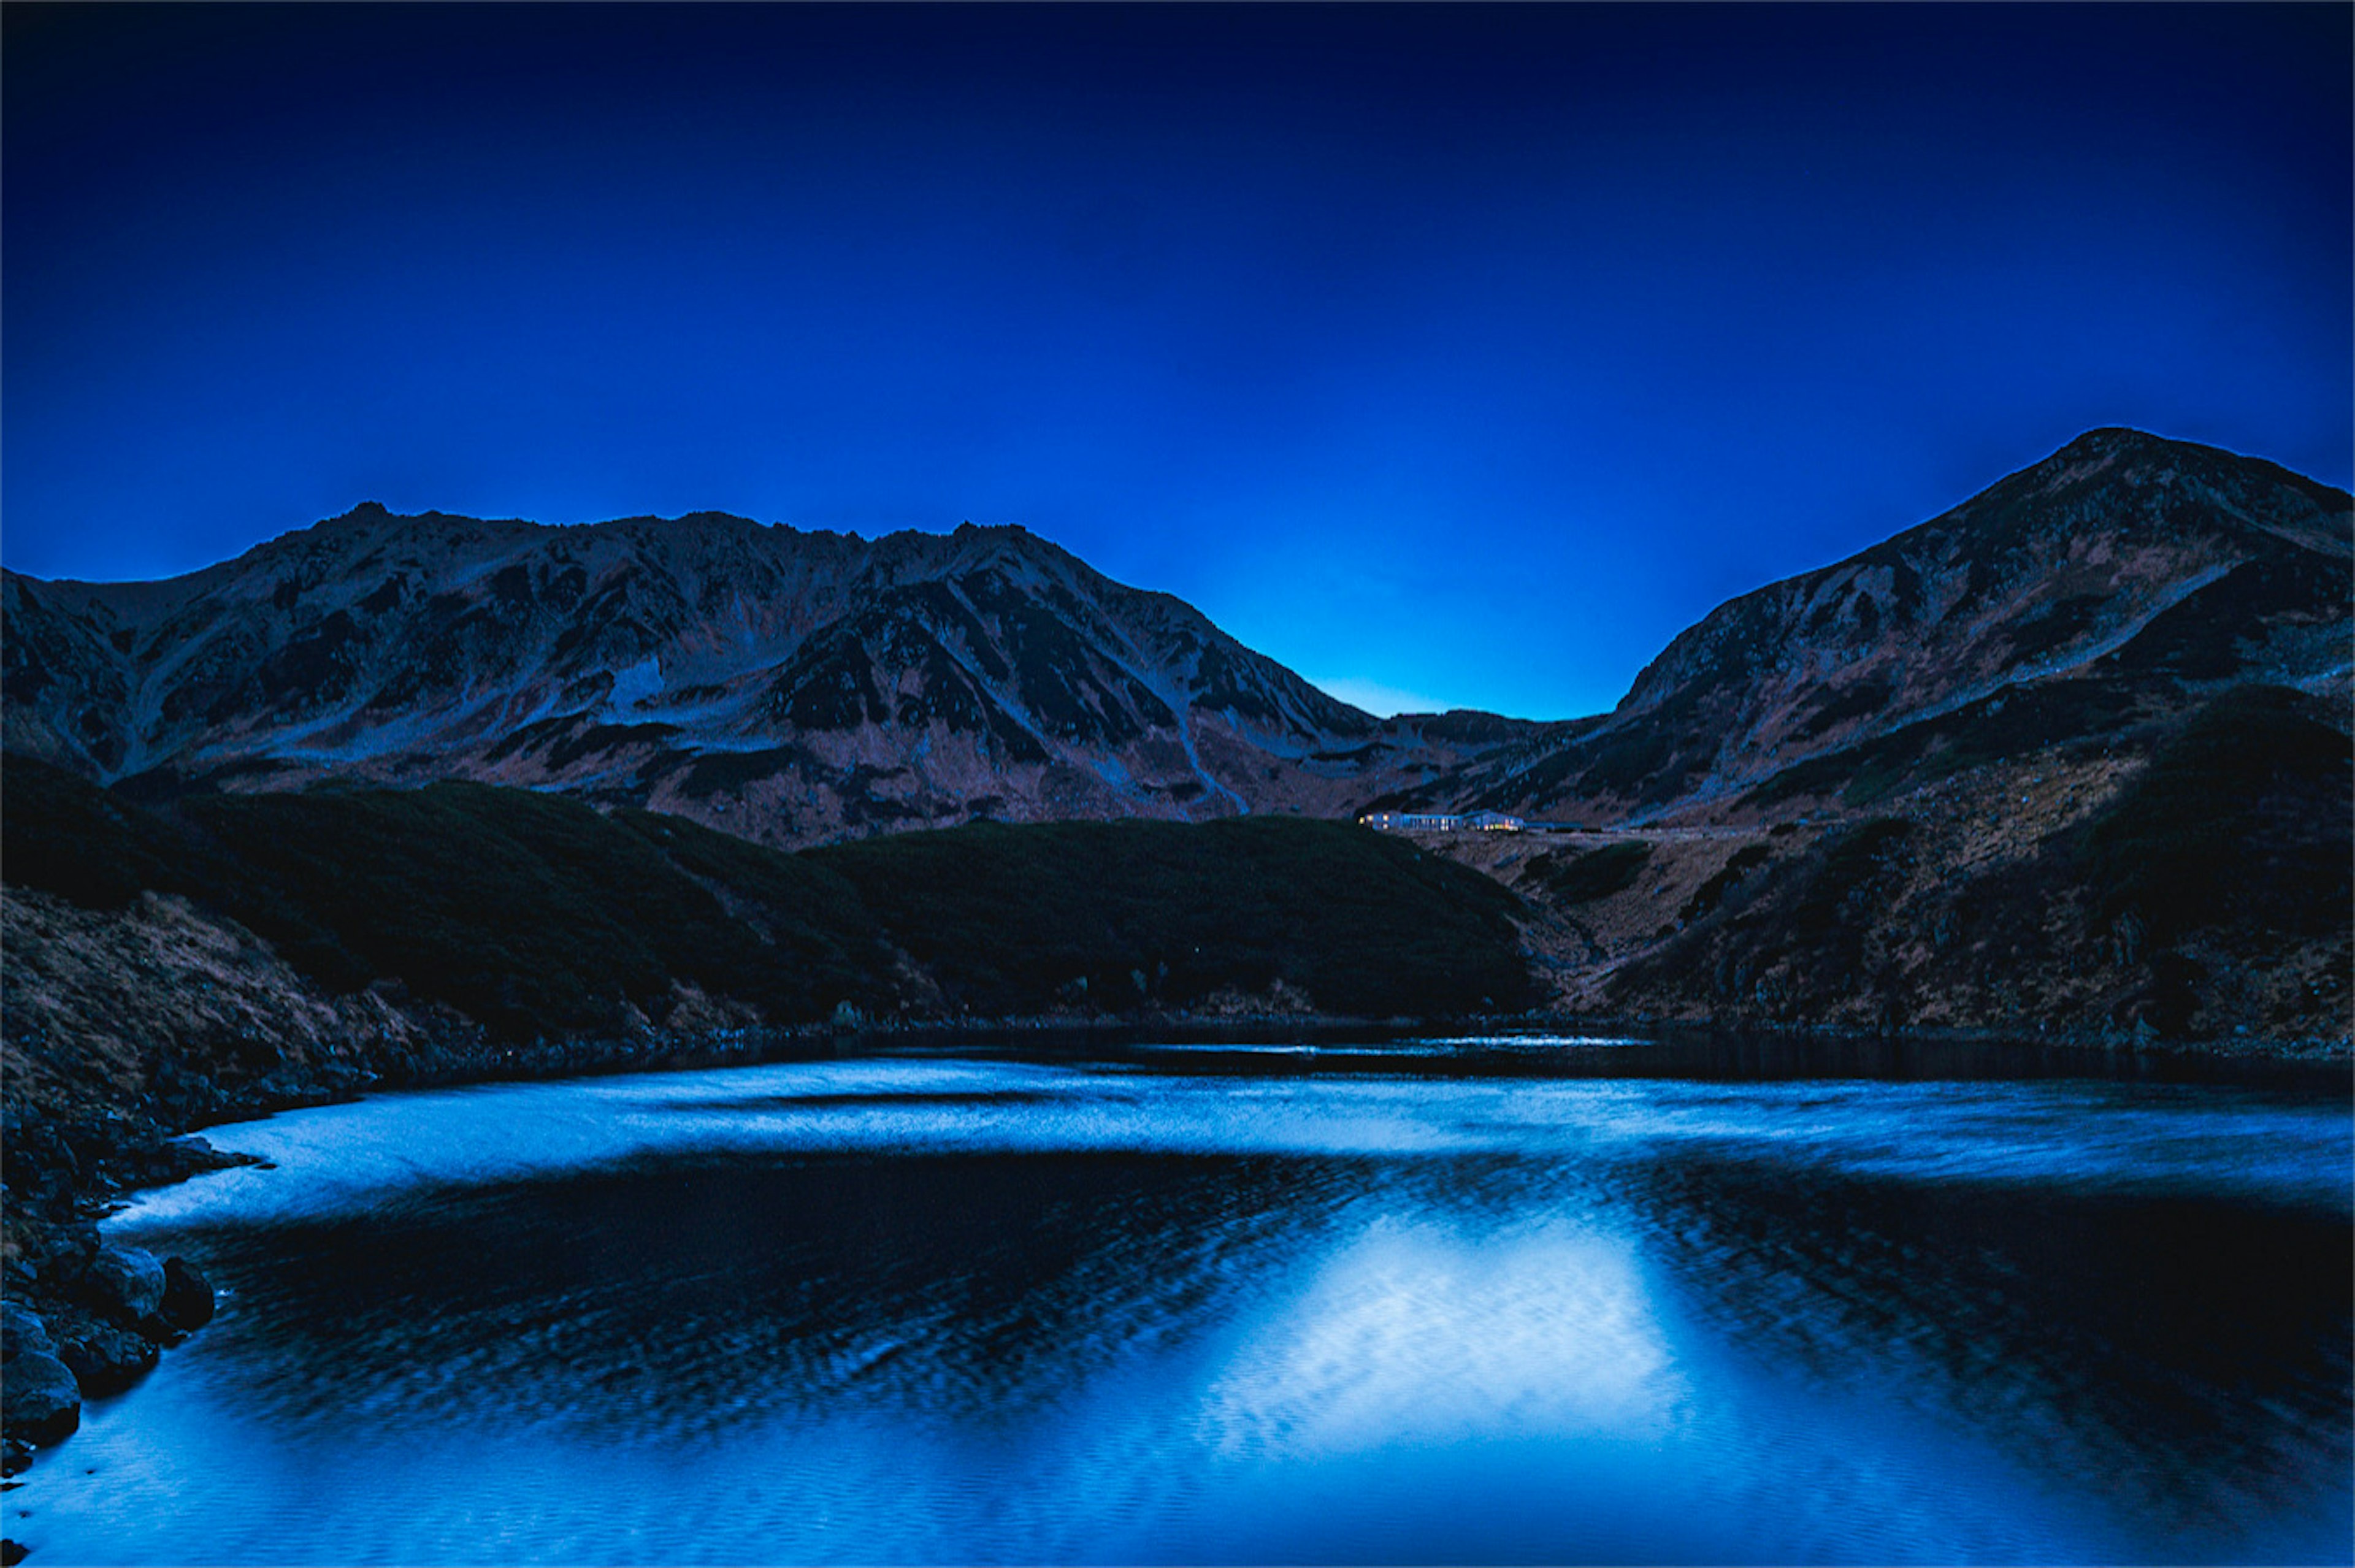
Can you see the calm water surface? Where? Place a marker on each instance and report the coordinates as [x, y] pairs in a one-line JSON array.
[[1445, 1301]]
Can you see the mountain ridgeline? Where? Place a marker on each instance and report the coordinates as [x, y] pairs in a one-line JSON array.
[[792, 688], [2072, 755], [2118, 580]]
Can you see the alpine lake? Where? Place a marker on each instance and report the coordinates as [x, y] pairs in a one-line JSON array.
[[1523, 1298]]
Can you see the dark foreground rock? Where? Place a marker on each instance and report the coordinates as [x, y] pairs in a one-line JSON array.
[[22, 1330], [125, 1283], [187, 1295], [40, 1398], [106, 1359]]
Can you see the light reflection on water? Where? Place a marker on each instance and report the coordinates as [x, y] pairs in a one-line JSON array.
[[930, 1309]]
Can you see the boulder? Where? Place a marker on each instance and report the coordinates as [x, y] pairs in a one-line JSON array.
[[108, 1361], [124, 1283], [188, 1295], [22, 1332], [40, 1398]]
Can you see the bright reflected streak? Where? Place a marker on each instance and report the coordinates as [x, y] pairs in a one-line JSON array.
[[1418, 1333]]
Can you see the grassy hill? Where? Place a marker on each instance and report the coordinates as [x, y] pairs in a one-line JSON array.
[[537, 915]]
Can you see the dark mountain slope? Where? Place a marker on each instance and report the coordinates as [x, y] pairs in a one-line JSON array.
[[2209, 892]]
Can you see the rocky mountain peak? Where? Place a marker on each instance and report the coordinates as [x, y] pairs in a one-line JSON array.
[[797, 684], [2156, 569]]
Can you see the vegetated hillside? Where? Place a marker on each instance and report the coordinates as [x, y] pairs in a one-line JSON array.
[[791, 687], [2209, 892], [532, 915], [1123, 914], [2184, 879]]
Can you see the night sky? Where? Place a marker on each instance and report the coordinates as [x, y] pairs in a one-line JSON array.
[[1464, 353]]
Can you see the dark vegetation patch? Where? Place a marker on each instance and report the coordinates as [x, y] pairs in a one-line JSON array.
[[170, 783], [1712, 893], [2244, 818], [1472, 727], [1229, 684], [1423, 797], [598, 615], [1575, 877], [524, 737], [530, 913], [64, 834], [1128, 913], [2233, 846], [567, 740], [829, 684], [2056, 625], [1791, 941], [1840, 872], [2014, 722], [1654, 757], [511, 586], [437, 649], [861, 804], [314, 669], [715, 773], [2206, 635], [1861, 700], [560, 591], [536, 916]]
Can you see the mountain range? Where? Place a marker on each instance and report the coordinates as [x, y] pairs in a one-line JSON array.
[[2075, 750], [791, 687]]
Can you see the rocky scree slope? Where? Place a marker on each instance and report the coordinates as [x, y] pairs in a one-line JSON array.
[[791, 687]]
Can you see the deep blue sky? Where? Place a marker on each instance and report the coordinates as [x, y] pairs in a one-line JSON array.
[[1467, 352]]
